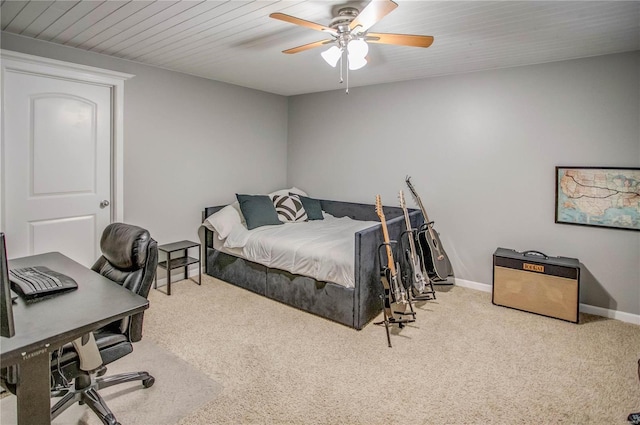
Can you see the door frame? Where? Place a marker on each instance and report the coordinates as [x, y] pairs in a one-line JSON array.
[[29, 64]]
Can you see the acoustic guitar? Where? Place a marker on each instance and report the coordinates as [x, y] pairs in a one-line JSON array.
[[421, 287], [434, 257]]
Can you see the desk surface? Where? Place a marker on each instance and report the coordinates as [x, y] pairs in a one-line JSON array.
[[48, 323]]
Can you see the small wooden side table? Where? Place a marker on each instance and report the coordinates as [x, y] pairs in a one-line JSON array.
[[182, 261]]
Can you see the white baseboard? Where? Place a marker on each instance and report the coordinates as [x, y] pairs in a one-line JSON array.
[[175, 276], [584, 308], [611, 314], [484, 287]]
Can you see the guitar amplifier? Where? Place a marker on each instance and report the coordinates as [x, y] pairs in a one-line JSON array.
[[534, 282]]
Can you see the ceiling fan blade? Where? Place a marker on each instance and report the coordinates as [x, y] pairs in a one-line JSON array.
[[302, 22], [399, 39], [307, 46], [372, 13]]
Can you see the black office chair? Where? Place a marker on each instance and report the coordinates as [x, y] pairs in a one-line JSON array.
[[130, 258]]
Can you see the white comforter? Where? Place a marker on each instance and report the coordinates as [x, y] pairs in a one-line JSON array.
[[321, 249]]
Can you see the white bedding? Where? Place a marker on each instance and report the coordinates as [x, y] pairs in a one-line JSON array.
[[321, 249]]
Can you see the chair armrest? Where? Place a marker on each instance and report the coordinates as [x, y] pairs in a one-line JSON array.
[[88, 352]]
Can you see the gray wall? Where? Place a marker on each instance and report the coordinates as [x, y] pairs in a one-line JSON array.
[[481, 149], [188, 142]]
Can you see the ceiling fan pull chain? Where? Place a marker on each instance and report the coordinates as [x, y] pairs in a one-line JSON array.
[[347, 91]]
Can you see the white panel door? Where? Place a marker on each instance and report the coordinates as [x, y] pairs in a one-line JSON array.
[[57, 165]]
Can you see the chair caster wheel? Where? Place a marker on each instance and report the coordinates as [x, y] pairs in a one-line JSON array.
[[101, 371], [148, 382]]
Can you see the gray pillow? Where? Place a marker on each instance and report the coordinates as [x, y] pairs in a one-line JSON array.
[[311, 206], [258, 210]]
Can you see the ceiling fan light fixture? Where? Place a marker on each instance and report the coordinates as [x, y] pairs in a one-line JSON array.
[[358, 48], [356, 62], [332, 55]]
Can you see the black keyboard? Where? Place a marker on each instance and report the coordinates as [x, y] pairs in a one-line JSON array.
[[39, 281]]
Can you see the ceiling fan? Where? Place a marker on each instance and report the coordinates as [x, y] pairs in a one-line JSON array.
[[349, 32]]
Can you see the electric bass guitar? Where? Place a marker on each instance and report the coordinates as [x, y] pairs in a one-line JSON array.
[[420, 286], [433, 255], [395, 297]]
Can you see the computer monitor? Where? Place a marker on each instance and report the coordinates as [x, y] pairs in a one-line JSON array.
[[6, 309]]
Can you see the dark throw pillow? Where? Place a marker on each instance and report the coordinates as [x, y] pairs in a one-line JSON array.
[[258, 210], [311, 206]]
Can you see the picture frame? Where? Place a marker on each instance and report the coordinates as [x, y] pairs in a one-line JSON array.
[[606, 197]]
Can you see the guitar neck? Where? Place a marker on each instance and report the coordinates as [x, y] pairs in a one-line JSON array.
[[412, 246], [424, 212], [385, 234]]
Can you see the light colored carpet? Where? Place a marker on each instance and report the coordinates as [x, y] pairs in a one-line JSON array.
[[179, 390], [465, 361]]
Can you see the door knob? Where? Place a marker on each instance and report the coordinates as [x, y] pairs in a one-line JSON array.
[[104, 204]]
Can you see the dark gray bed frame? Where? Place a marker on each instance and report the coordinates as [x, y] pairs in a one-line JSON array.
[[353, 307]]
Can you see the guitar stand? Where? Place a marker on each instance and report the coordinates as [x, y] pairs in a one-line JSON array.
[[391, 320], [424, 295]]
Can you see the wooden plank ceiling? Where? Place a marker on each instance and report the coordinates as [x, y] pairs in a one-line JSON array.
[[236, 41]]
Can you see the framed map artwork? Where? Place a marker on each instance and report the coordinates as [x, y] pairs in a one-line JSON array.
[[593, 196]]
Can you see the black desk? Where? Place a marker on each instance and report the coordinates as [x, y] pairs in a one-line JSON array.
[[45, 325]]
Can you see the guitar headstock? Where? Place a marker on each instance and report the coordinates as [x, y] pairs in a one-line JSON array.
[[379, 207], [412, 189], [401, 197], [408, 180]]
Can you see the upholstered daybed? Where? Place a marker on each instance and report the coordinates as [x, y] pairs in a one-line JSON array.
[[352, 306]]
